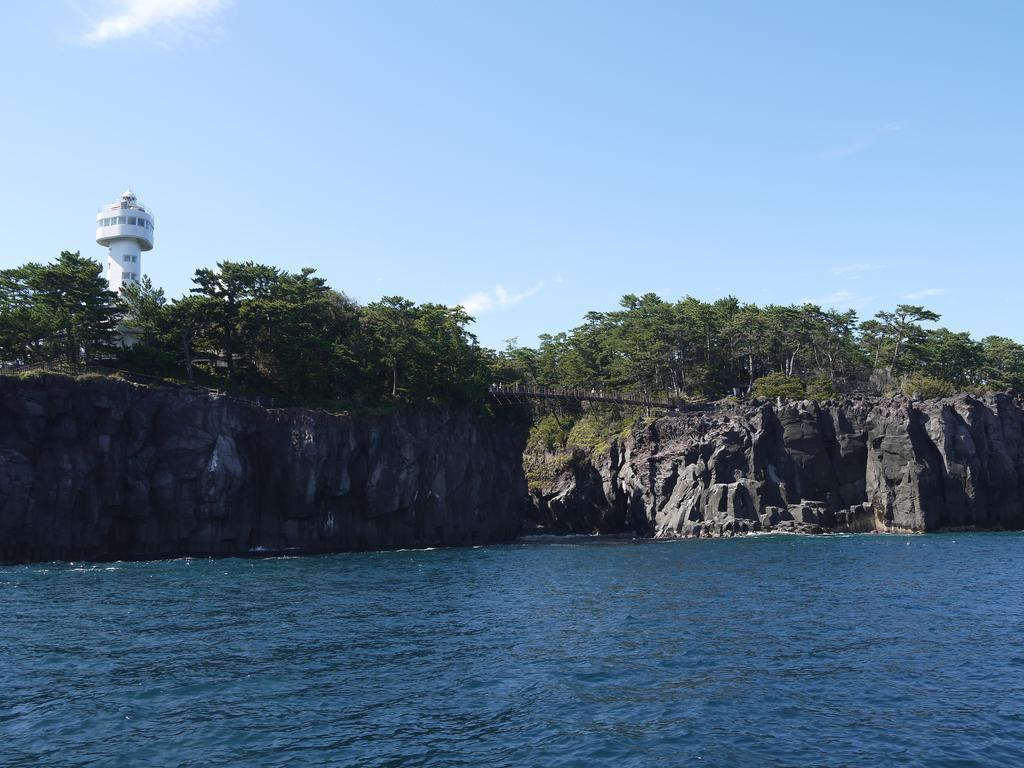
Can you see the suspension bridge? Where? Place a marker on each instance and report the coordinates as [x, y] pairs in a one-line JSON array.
[[517, 394]]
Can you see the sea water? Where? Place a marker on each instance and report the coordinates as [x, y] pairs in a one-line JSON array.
[[771, 650]]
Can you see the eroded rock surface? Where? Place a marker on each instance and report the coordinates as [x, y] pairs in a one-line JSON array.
[[856, 465], [108, 470]]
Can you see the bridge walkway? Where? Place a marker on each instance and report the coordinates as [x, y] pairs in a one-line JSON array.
[[515, 394]]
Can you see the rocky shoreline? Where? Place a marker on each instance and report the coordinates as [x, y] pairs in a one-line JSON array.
[[858, 465]]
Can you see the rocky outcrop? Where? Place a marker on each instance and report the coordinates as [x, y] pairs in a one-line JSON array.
[[856, 465], [108, 470], [947, 464]]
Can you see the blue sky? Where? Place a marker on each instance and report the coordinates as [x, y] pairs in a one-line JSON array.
[[535, 160]]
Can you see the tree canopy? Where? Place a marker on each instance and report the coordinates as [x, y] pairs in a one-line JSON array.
[[246, 326], [692, 348], [256, 328]]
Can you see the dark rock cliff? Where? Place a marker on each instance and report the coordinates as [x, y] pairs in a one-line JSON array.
[[858, 465], [108, 470]]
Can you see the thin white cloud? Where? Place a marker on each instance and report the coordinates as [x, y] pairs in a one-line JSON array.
[[842, 299], [924, 293], [860, 144], [126, 18], [855, 270], [482, 302]]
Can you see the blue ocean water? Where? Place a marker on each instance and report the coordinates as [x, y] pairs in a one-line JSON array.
[[775, 650]]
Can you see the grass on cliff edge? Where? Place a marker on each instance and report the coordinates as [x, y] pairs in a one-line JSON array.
[[556, 440], [204, 382]]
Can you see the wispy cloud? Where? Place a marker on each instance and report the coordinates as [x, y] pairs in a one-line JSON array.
[[863, 142], [841, 300], [924, 293], [855, 271], [482, 302], [126, 18]]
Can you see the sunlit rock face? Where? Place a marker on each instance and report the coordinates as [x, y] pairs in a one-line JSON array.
[[108, 470], [853, 465]]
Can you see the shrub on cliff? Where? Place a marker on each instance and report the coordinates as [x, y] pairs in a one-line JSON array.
[[821, 388], [548, 434], [921, 385], [777, 384], [599, 426]]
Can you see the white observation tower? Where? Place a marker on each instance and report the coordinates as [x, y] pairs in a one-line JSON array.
[[126, 227]]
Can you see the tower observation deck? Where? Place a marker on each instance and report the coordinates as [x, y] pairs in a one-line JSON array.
[[126, 228]]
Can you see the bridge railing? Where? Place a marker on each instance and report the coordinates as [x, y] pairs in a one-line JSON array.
[[517, 391]]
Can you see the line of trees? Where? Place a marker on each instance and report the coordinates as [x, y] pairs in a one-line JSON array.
[[256, 328], [696, 348], [248, 327]]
